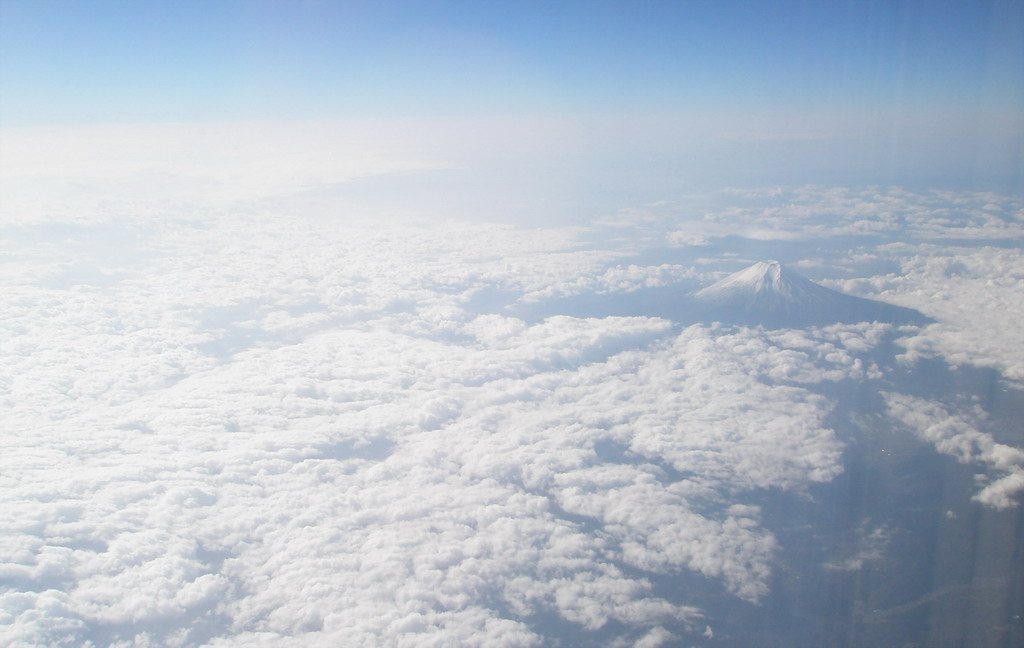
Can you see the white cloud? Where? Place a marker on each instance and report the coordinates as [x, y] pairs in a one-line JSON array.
[[260, 432], [656, 637], [368, 479], [802, 213], [958, 437], [617, 279], [973, 293], [209, 164]]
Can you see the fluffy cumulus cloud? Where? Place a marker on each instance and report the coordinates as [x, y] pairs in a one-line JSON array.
[[245, 431], [974, 294], [956, 435], [782, 214], [618, 279], [954, 256]]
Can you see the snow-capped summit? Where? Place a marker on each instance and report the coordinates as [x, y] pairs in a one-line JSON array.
[[770, 294], [765, 280]]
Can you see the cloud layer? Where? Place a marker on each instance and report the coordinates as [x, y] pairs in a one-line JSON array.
[[251, 431]]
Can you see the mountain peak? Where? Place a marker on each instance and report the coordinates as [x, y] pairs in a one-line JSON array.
[[770, 294], [762, 279]]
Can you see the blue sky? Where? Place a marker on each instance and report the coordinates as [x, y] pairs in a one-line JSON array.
[[73, 62], [651, 96]]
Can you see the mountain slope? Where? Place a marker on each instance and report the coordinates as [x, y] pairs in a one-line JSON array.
[[770, 294]]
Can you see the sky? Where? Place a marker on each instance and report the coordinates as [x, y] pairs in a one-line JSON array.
[[642, 99], [132, 62], [377, 324]]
